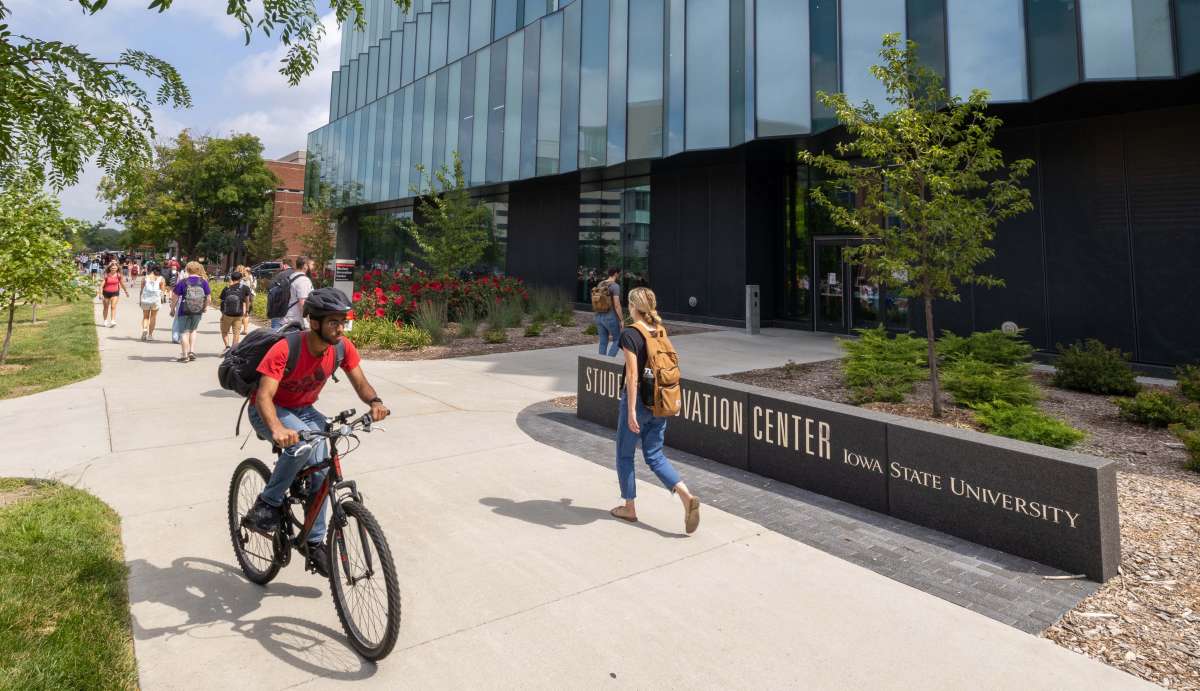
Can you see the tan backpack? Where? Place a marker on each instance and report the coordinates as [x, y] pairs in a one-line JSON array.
[[663, 362], [601, 298]]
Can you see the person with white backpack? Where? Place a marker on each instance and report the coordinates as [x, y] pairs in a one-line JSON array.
[[188, 302], [151, 296]]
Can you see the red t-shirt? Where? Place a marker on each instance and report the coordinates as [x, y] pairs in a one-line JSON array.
[[302, 387]]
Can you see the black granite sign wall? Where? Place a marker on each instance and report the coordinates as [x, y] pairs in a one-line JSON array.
[[1051, 506]]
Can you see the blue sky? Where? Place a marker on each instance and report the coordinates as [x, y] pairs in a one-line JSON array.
[[235, 87]]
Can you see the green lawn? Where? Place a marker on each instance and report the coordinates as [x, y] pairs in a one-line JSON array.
[[61, 348], [64, 610]]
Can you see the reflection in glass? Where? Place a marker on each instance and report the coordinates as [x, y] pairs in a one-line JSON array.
[[987, 48], [614, 232], [1053, 47], [459, 28], [927, 27], [568, 150], [645, 95], [864, 22], [413, 155], [737, 72], [675, 80], [535, 9], [479, 138], [397, 186], [830, 308], [381, 240], [453, 96], [796, 295], [1124, 39], [438, 146], [865, 298], [396, 69], [423, 27], [1187, 35], [481, 23], [353, 103], [708, 64], [466, 116], [496, 112], [385, 65], [593, 84], [549, 95], [618, 33], [823, 39], [439, 35], [782, 36], [512, 101], [429, 120], [505, 20], [334, 96], [1152, 38], [529, 100], [497, 256], [410, 52]]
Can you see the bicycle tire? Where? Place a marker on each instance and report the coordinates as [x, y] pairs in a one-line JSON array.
[[252, 572], [358, 514]]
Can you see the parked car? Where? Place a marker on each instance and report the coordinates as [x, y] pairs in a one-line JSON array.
[[265, 269]]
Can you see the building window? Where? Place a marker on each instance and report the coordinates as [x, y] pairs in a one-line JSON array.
[[707, 117], [645, 89], [782, 67], [614, 232], [593, 84], [987, 48]]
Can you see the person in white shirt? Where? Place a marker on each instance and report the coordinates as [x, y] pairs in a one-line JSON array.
[[301, 287]]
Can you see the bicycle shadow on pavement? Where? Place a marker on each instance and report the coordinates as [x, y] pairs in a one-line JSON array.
[[209, 592], [560, 514]]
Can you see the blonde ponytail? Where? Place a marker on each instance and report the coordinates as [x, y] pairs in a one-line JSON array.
[[644, 301]]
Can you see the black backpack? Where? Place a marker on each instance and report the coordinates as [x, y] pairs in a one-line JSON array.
[[233, 301], [238, 371], [279, 294]]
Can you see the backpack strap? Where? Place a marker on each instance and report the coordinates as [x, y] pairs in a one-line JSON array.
[[295, 341], [339, 356]]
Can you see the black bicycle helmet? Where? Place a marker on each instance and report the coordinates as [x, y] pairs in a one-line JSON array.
[[325, 302]]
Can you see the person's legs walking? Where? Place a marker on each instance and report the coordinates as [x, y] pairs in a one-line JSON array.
[[602, 332], [653, 431], [626, 448]]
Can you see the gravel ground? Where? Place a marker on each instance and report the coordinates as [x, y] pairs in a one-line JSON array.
[[553, 336], [1147, 620]]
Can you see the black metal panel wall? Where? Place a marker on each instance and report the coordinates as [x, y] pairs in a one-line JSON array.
[[698, 234], [1086, 225], [1163, 163], [543, 231]]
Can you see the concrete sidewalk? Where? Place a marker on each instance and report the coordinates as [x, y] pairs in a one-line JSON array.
[[512, 573]]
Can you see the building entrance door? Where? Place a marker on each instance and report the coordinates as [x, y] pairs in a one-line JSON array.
[[848, 297]]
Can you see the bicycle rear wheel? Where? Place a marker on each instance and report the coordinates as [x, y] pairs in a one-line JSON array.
[[256, 554], [363, 580]]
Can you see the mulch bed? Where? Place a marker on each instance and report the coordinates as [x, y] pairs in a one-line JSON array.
[[1145, 621], [553, 336]]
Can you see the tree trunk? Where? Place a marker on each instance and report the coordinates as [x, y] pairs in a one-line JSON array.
[[931, 340], [12, 313], [33, 312]]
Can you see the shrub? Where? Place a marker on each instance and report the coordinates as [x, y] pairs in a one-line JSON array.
[[1027, 423], [431, 317], [993, 347], [1152, 407], [1191, 441], [974, 381], [1188, 377], [546, 303], [413, 337], [398, 294], [504, 314], [880, 368], [468, 323], [534, 329], [495, 336], [565, 316], [791, 369], [1093, 368], [590, 329]]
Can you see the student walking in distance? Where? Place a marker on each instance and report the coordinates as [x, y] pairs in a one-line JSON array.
[[287, 293], [252, 286], [606, 303], [235, 301], [190, 298], [110, 290], [154, 288], [650, 394]]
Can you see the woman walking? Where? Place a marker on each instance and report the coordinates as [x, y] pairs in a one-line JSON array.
[[190, 298], [636, 422], [110, 290], [251, 285], [150, 297]]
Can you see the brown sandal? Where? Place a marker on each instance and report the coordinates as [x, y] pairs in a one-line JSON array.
[[691, 519], [614, 514]]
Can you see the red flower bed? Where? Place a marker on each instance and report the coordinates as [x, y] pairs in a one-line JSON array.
[[396, 295]]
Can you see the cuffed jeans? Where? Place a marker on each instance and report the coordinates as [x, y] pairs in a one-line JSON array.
[[609, 328], [653, 429], [288, 463]]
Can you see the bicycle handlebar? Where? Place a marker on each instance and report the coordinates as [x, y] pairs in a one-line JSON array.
[[339, 427]]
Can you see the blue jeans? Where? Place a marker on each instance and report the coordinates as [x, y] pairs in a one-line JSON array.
[[277, 322], [288, 463], [609, 328], [653, 429]]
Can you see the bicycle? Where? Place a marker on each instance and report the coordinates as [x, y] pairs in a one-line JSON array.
[[362, 580]]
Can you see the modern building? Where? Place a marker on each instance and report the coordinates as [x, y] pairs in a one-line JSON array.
[[661, 136]]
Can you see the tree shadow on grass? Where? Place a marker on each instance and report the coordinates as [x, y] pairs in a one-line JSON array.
[[560, 514], [204, 592]]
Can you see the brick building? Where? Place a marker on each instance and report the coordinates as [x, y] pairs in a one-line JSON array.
[[291, 222]]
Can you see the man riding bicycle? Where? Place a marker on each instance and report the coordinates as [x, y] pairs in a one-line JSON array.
[[283, 406]]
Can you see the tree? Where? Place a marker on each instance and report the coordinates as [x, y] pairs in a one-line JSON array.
[[264, 244], [61, 106], [198, 191], [35, 254], [928, 185], [454, 230], [97, 236]]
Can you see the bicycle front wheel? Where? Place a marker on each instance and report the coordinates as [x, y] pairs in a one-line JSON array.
[[256, 554], [362, 577]]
